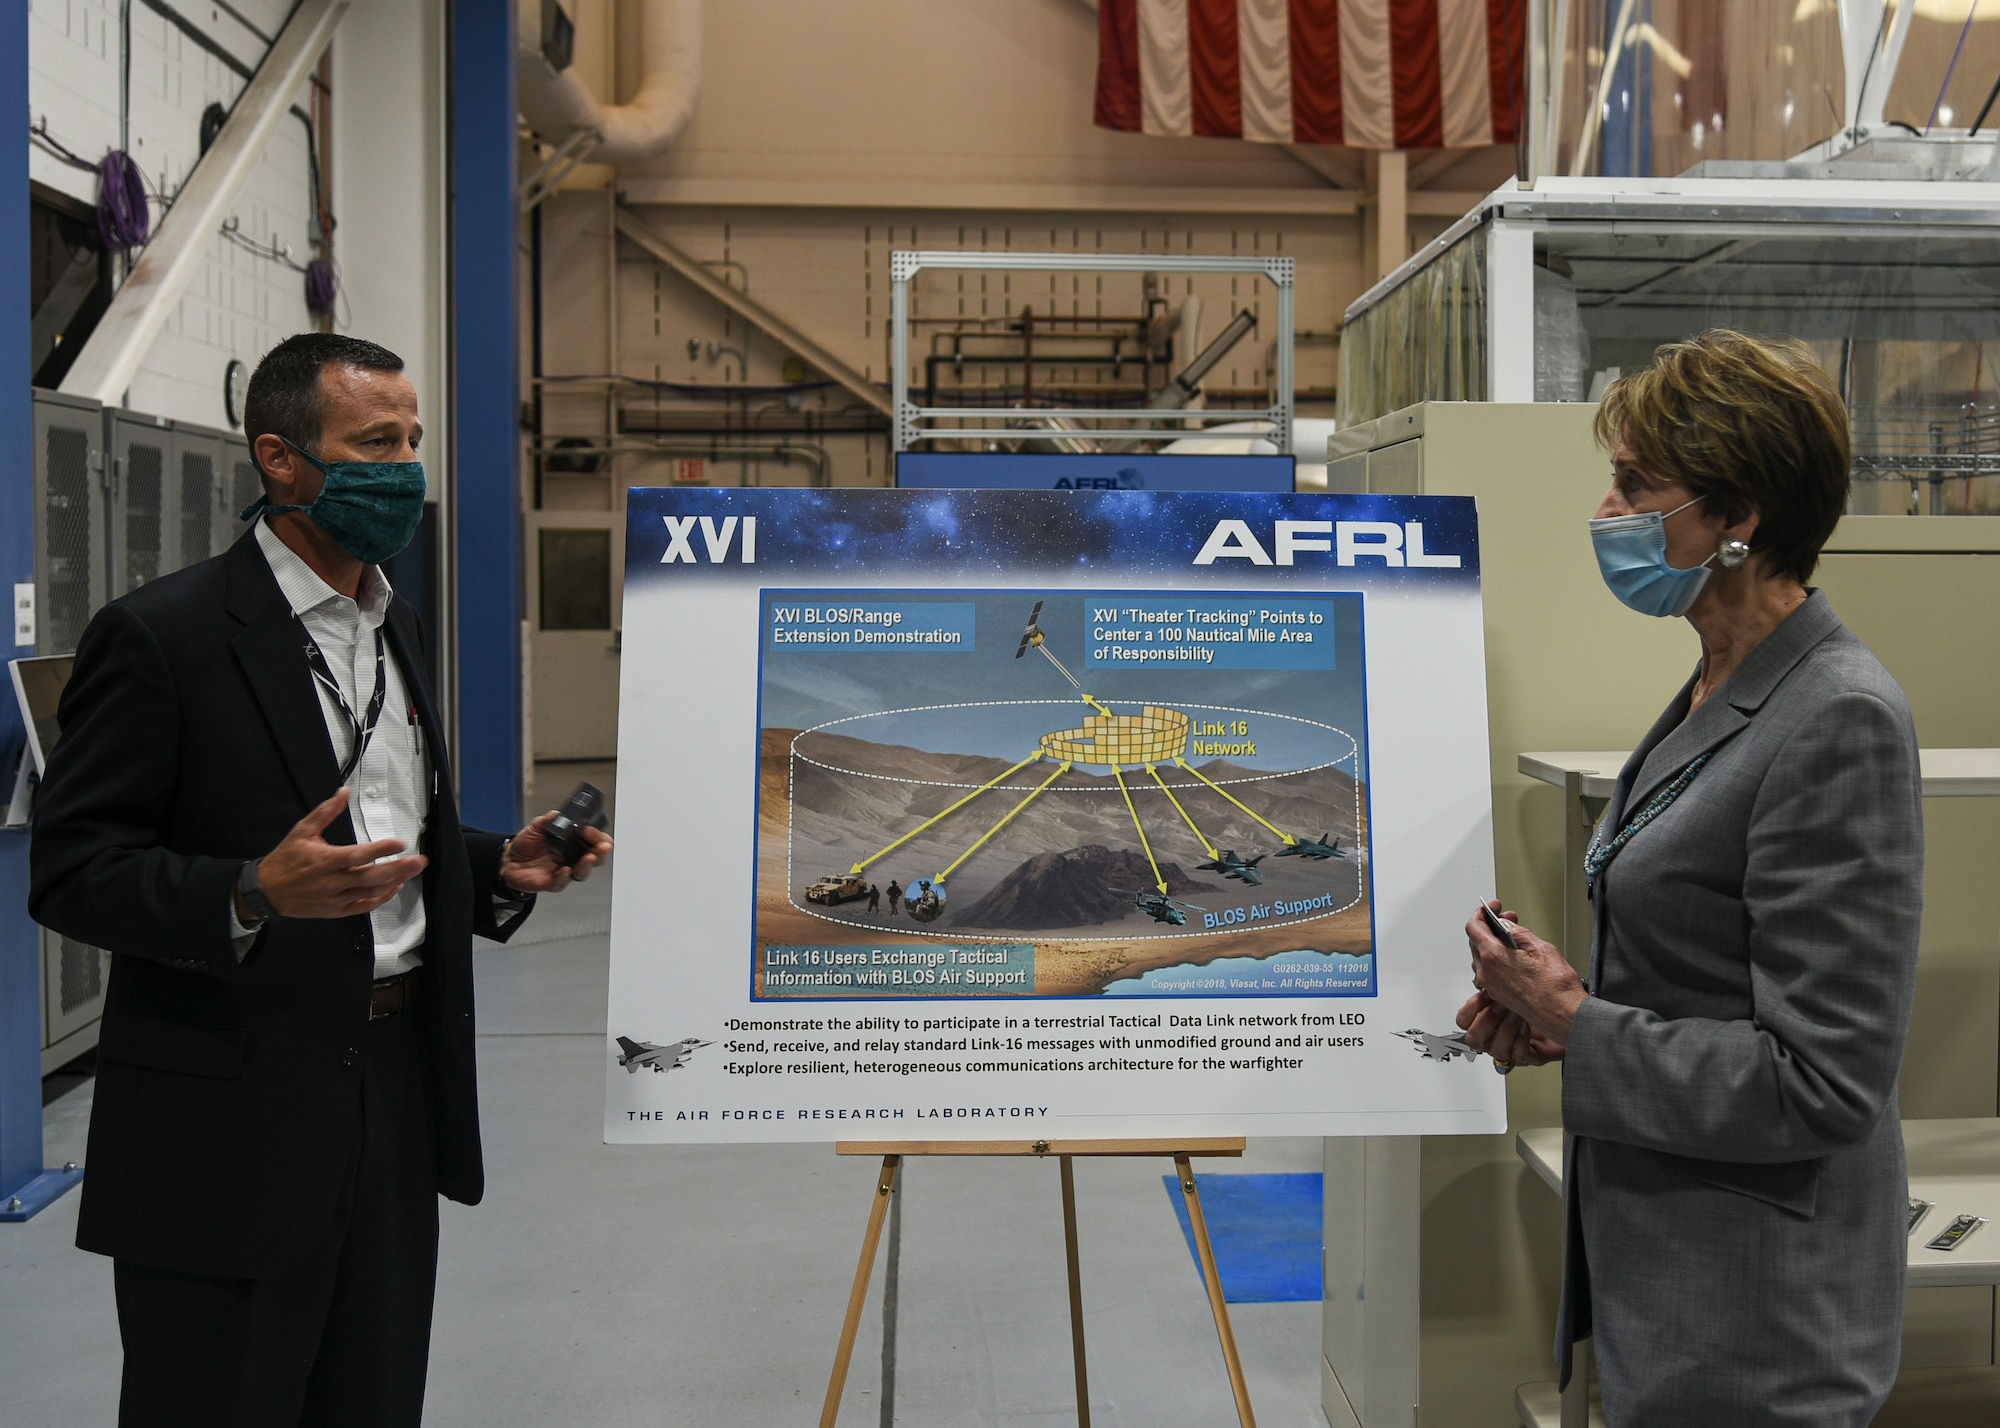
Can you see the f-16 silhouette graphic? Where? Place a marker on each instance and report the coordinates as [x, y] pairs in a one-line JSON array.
[[1439, 1048], [671, 1057]]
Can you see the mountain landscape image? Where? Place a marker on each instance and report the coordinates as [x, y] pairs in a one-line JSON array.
[[1064, 871]]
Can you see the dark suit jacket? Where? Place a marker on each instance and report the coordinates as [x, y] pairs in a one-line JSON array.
[[227, 1113], [1735, 1186]]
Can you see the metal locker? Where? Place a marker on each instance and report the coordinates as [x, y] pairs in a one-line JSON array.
[[73, 978], [200, 466], [145, 504], [245, 486], [70, 566]]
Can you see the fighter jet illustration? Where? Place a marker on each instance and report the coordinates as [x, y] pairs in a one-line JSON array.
[[670, 1057], [1231, 866], [1439, 1048], [1326, 846]]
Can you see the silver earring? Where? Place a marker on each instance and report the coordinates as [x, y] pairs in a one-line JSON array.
[[1733, 553]]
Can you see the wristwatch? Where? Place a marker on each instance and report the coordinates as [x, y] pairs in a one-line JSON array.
[[253, 895]]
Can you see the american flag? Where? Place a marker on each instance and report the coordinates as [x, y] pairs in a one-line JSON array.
[[1370, 74]]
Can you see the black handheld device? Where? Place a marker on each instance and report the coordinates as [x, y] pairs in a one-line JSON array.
[[1501, 928], [584, 808]]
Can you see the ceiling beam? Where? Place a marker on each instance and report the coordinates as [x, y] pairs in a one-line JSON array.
[[186, 236], [1316, 158], [643, 234], [1320, 201], [1434, 164]]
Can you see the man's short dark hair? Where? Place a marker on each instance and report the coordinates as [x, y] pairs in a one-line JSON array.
[[285, 398]]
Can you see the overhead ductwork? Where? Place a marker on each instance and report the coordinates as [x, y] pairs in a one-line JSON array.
[[560, 109]]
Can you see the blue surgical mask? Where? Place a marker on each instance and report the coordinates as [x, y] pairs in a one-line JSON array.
[[1632, 557], [370, 508]]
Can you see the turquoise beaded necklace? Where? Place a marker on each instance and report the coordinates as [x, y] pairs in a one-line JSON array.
[[1598, 856]]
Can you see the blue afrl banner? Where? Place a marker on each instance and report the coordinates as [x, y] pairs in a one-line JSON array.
[[1059, 471], [1220, 539]]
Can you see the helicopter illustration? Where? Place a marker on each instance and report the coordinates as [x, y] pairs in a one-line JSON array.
[[1324, 847], [1159, 906], [1231, 866]]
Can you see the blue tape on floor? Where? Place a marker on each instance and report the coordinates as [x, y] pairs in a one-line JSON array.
[[1266, 1230]]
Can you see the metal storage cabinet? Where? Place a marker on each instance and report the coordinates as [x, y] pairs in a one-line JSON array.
[[73, 978], [244, 486], [145, 504], [198, 465], [70, 527], [71, 582], [120, 499]]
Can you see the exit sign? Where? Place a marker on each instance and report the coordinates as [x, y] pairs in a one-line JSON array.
[[691, 471]]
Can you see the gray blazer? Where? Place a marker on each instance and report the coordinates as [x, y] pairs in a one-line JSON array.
[[1735, 1188]]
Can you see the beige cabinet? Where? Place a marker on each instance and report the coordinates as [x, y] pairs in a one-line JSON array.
[[1443, 1253]]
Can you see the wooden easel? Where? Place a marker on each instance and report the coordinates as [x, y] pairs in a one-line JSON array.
[[892, 1153]]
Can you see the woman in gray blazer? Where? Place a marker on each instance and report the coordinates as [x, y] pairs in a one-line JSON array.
[[1735, 1190]]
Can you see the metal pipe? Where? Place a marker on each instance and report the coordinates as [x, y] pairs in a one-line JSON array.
[[1074, 445], [717, 450], [1614, 51], [1185, 385], [557, 105], [1027, 355]]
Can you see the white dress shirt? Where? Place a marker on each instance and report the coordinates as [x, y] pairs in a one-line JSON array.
[[391, 786]]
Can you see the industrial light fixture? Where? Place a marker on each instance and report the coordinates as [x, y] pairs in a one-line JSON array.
[[558, 36]]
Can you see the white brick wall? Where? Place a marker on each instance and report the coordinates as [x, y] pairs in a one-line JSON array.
[[241, 304], [73, 83]]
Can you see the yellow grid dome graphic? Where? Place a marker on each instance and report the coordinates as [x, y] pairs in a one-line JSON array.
[[1152, 736]]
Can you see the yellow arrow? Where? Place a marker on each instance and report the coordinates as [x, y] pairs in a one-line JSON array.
[[1158, 881], [1206, 846], [1062, 769], [1289, 839], [855, 871], [1098, 707]]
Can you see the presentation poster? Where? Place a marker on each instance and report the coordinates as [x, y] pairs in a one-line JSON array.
[[976, 814]]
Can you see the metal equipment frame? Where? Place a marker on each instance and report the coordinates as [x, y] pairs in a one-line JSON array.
[[909, 420]]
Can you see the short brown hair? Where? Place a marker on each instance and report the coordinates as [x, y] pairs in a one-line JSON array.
[[285, 397], [1749, 423]]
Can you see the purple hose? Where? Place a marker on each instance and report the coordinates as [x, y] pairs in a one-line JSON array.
[[123, 219], [319, 288]]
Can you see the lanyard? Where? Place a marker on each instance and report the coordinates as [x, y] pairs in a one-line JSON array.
[[1599, 855], [360, 732]]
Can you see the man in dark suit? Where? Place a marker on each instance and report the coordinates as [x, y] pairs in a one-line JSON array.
[[251, 808]]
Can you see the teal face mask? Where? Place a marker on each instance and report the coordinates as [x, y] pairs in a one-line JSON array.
[[370, 508]]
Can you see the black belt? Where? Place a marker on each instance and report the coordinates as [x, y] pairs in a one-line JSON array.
[[392, 995]]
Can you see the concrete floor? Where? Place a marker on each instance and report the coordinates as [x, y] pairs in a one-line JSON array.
[[704, 1285]]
